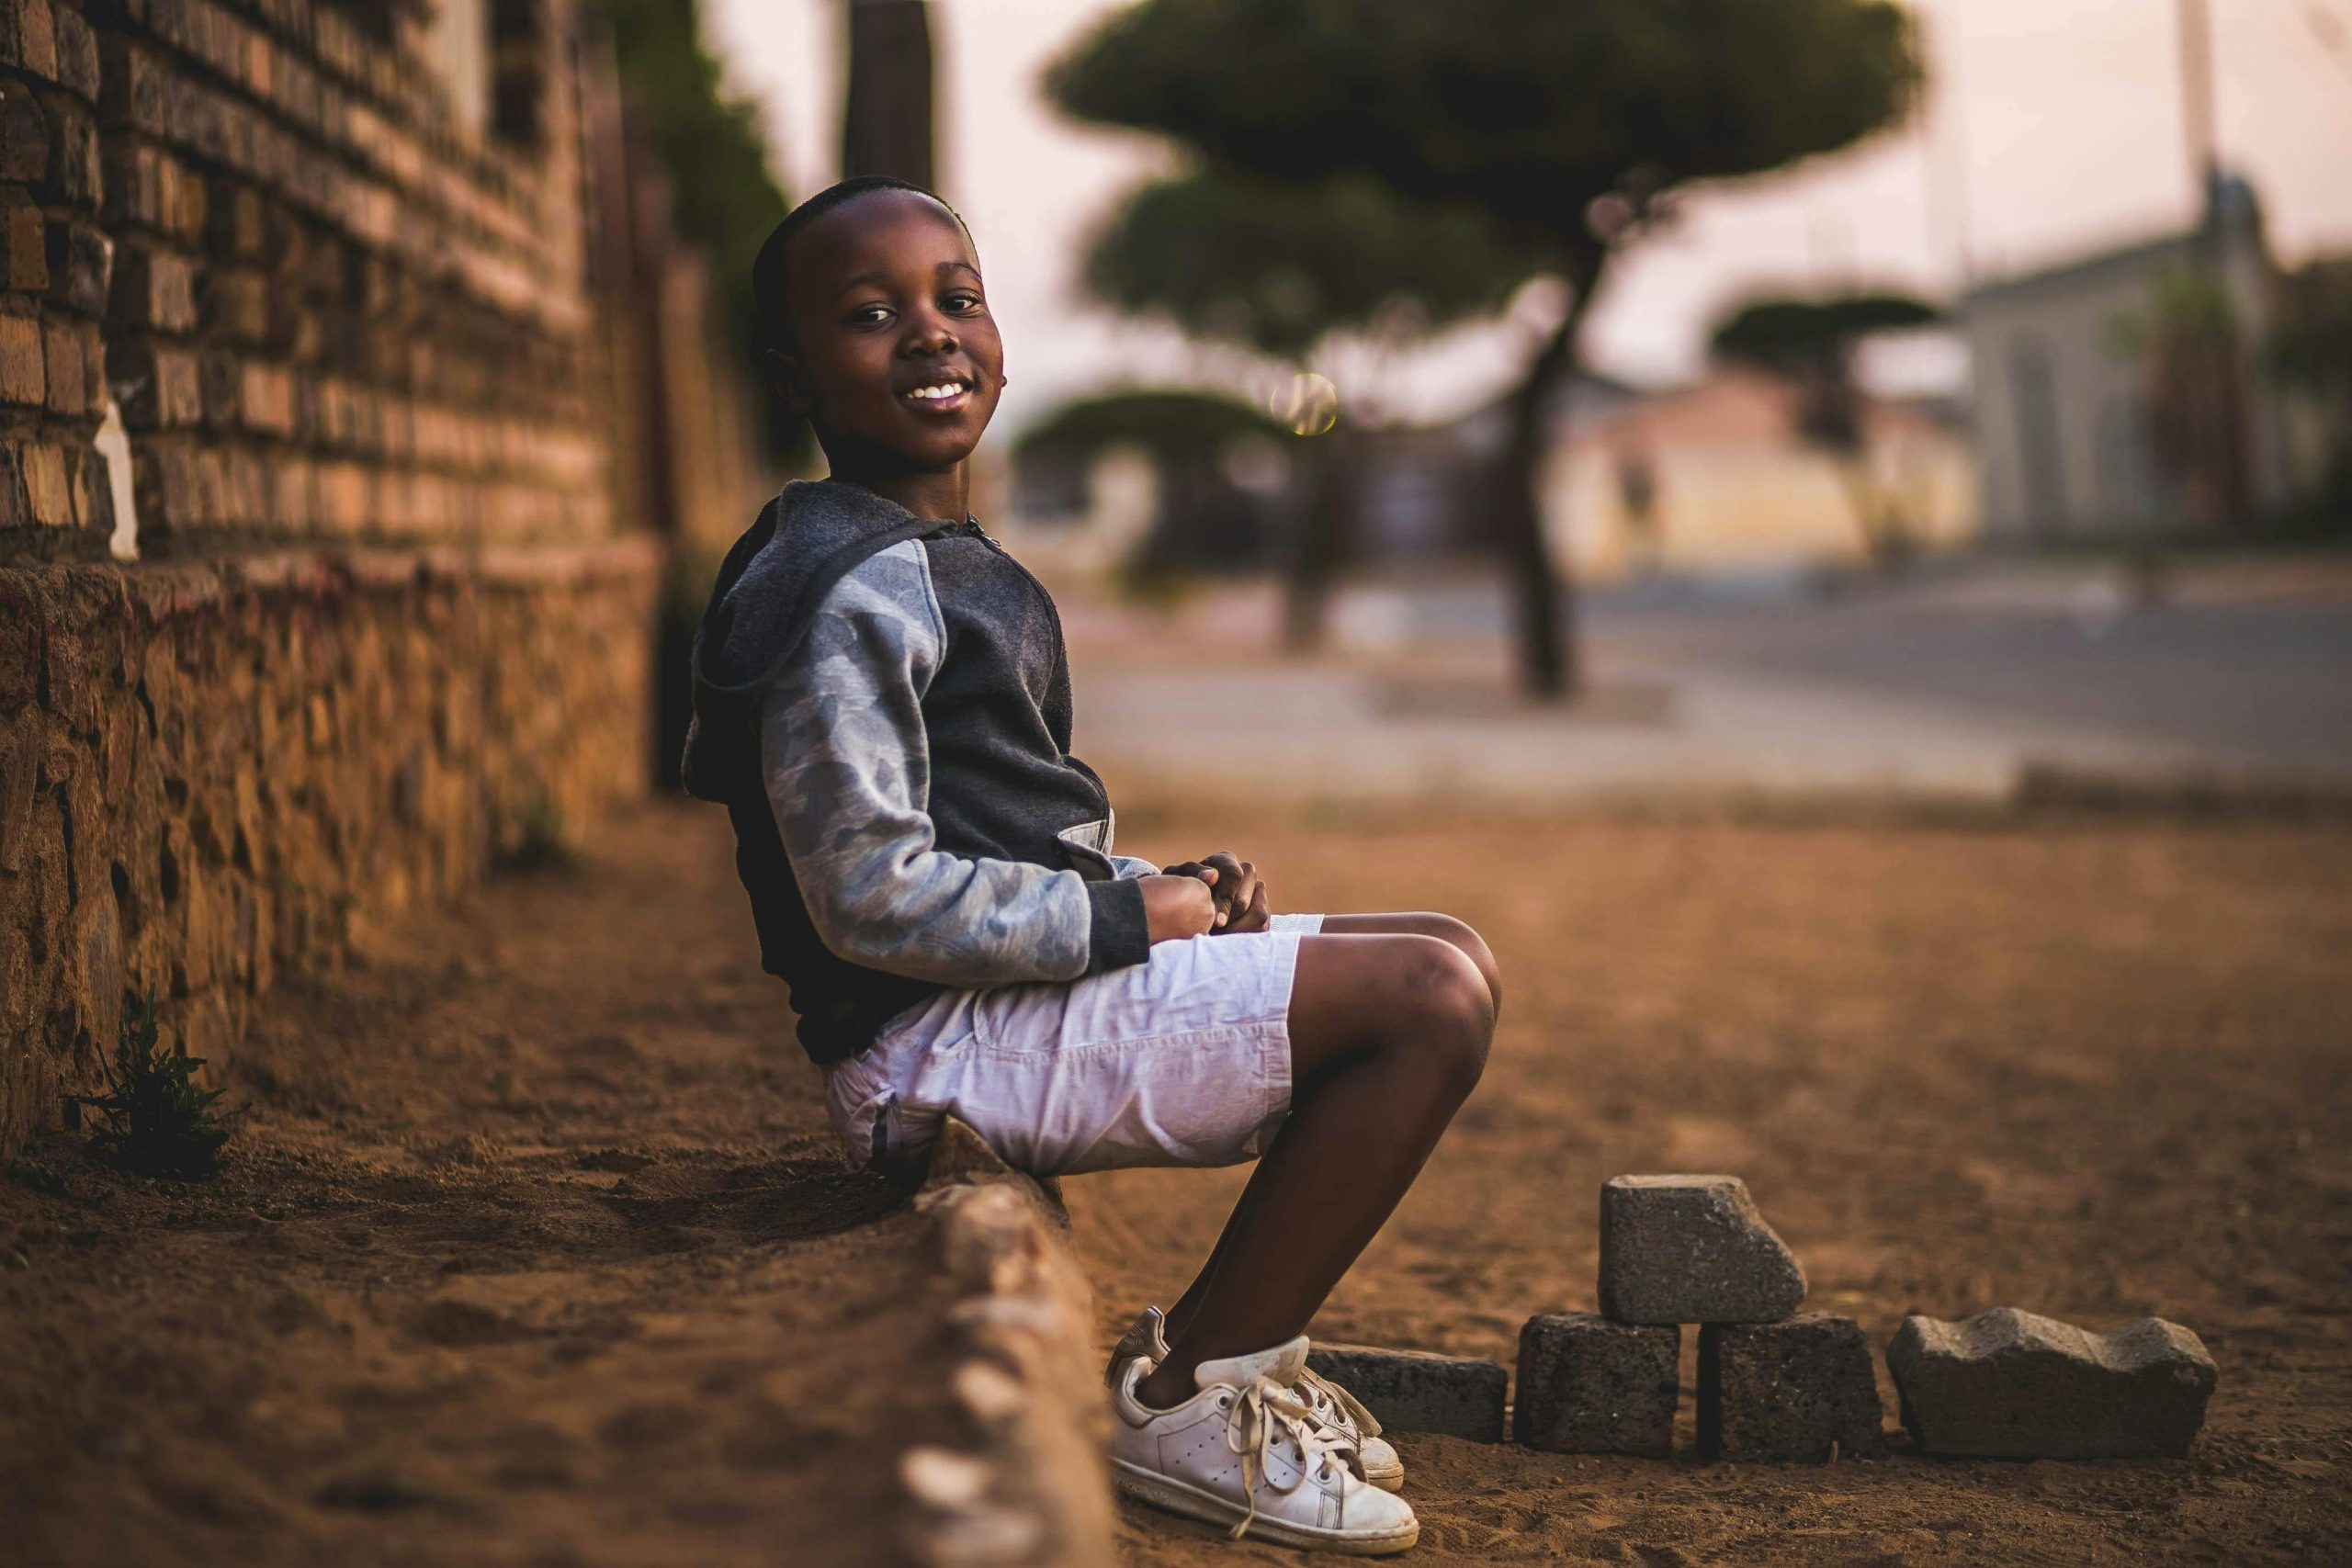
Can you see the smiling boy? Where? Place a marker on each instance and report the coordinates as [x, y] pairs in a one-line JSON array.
[[882, 701]]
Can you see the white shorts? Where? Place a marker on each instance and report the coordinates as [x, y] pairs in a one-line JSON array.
[[1184, 1059]]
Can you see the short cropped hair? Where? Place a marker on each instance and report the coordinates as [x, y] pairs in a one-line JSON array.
[[768, 301]]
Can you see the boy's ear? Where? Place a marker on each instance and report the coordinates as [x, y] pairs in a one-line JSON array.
[[792, 379]]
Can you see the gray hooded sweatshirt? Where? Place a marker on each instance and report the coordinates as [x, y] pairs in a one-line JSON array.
[[883, 704]]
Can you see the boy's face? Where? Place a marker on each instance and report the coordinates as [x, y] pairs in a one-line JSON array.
[[885, 299]]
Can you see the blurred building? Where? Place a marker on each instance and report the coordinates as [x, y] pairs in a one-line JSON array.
[[325, 489], [1717, 477], [2124, 394]]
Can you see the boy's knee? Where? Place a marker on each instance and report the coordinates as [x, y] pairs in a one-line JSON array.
[[1465, 939], [1444, 1008]]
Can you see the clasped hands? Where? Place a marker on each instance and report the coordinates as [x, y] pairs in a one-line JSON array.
[[1218, 895]]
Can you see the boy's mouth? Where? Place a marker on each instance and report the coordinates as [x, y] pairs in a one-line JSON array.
[[943, 394]]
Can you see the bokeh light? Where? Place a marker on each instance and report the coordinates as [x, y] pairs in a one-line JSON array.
[[1307, 402]]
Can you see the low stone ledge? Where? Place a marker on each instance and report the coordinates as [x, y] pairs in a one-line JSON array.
[[1588, 1385], [1034, 1488], [1413, 1391], [1797, 1392], [2009, 1384]]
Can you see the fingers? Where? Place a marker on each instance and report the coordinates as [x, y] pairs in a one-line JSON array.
[[1259, 915], [1236, 885]]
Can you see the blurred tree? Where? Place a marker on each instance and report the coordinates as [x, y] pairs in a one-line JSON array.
[[1281, 269], [1810, 344], [724, 197], [1205, 520], [1561, 123], [887, 110]]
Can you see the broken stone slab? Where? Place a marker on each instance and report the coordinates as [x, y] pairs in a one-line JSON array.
[[2011, 1384], [1412, 1391], [1692, 1249], [1591, 1386], [1794, 1393]]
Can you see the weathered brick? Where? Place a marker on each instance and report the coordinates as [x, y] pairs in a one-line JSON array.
[[68, 380], [1411, 1391], [134, 87], [24, 244], [2011, 1384], [75, 175], [147, 187], [80, 260], [1588, 1386], [22, 378], [154, 290], [156, 385], [29, 37], [1692, 1249], [234, 306], [77, 53], [1794, 1393], [236, 224], [49, 487], [24, 132]]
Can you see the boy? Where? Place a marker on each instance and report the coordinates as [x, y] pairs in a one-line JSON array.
[[882, 702]]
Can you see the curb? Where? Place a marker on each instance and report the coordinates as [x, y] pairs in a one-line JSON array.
[[1031, 1485]]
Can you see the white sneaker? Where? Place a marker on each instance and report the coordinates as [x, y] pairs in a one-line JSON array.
[[1375, 1459], [1250, 1452]]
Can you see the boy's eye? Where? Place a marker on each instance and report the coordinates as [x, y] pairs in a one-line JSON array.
[[964, 301], [866, 315]]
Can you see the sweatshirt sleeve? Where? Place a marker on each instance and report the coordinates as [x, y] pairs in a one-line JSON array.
[[847, 768]]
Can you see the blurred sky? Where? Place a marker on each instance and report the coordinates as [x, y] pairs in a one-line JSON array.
[[2053, 129]]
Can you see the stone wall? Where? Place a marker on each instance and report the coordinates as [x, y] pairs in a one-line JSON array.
[[380, 628]]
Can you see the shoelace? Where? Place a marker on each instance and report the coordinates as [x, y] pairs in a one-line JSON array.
[[1263, 1414], [1334, 1407]]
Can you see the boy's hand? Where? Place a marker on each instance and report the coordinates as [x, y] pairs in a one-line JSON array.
[[1242, 901], [1176, 907]]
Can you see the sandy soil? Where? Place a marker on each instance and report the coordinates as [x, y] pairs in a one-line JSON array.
[[535, 1248], [2096, 1070]]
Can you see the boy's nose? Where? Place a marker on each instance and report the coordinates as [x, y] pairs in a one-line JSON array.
[[931, 335]]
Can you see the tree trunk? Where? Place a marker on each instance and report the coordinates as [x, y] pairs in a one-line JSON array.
[[1326, 533], [1547, 647], [886, 118]]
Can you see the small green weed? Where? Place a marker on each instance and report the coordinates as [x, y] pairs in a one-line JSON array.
[[155, 1119]]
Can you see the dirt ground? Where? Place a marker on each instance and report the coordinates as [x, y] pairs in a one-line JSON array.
[[2096, 1070], [534, 1249]]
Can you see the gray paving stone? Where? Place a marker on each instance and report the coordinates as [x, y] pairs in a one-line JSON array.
[[1794, 1393], [1692, 1249], [2009, 1384], [1411, 1391], [1591, 1386]]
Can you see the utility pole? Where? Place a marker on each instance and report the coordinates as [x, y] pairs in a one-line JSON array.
[[886, 116], [2196, 104]]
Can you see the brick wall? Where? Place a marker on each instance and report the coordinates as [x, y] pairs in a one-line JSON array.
[[381, 625]]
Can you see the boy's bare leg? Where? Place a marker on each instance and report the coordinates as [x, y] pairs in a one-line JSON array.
[[1446, 929], [1388, 1035]]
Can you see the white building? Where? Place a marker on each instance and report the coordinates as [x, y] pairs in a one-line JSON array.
[[2068, 428]]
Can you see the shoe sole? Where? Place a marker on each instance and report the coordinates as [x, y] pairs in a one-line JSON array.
[[1180, 1498], [1386, 1479]]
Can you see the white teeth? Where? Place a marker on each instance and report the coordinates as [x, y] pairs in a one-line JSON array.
[[935, 393]]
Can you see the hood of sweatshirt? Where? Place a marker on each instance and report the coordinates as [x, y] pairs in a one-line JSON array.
[[761, 605]]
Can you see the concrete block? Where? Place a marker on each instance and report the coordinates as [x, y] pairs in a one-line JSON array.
[[2009, 1384], [1411, 1391], [1692, 1249], [1591, 1386], [1794, 1393]]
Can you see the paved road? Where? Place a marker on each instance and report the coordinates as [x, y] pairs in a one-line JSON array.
[[1952, 685]]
